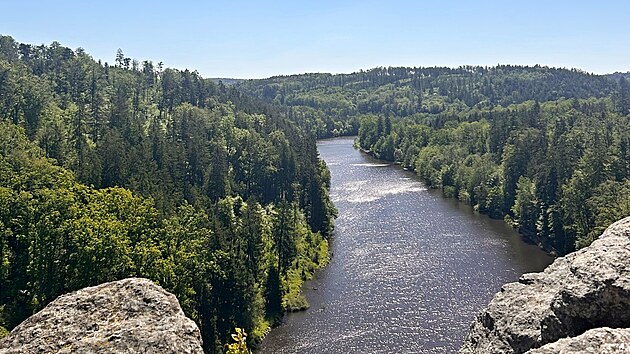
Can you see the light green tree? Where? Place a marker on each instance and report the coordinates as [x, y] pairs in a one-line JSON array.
[[240, 343]]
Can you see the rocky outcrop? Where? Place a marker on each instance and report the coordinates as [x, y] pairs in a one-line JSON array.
[[127, 316], [584, 290], [599, 340]]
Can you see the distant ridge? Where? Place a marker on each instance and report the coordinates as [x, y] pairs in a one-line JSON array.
[[618, 75]]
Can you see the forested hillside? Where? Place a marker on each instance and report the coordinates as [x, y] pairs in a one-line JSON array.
[[333, 105], [217, 193], [544, 148], [133, 169]]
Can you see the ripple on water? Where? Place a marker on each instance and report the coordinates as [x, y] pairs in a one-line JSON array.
[[370, 164], [409, 270], [365, 191]]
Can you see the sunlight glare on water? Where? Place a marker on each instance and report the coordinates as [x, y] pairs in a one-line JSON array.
[[409, 271]]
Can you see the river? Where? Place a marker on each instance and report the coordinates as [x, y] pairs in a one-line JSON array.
[[409, 268]]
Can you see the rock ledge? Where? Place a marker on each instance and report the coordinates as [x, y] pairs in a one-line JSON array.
[[598, 340], [579, 296], [127, 316]]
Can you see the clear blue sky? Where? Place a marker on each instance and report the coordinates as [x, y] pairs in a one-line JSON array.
[[255, 39]]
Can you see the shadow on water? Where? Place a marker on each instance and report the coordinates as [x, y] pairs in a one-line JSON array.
[[410, 269]]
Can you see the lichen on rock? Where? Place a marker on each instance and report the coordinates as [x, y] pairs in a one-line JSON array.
[[128, 316]]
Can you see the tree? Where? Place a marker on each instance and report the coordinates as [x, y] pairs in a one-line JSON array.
[[120, 58], [525, 208], [183, 154], [623, 97], [387, 125]]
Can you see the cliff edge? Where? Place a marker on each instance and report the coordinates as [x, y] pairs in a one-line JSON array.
[[579, 304], [127, 316]]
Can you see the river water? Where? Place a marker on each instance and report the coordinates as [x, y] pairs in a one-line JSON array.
[[409, 271]]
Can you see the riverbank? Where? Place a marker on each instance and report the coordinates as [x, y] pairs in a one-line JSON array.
[[410, 268], [293, 299], [450, 193]]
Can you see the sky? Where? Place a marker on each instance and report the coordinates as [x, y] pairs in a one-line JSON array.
[[258, 39]]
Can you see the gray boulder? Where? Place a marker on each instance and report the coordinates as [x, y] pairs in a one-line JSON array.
[[594, 341], [127, 316], [587, 289]]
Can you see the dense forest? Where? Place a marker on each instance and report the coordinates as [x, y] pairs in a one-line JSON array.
[[133, 169], [546, 149], [215, 190], [332, 105]]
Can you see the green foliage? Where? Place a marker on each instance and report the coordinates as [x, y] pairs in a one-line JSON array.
[[110, 171], [547, 168], [474, 132], [240, 343], [332, 105], [610, 202], [525, 206], [127, 170]]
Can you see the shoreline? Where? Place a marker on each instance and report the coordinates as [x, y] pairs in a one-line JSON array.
[[525, 238]]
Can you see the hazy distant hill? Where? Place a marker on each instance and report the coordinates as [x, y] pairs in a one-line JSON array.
[[333, 104], [617, 75], [502, 85]]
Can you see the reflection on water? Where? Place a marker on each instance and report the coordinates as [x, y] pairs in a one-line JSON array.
[[371, 164], [362, 191], [409, 271]]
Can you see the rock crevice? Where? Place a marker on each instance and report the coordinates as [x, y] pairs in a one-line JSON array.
[[583, 295]]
